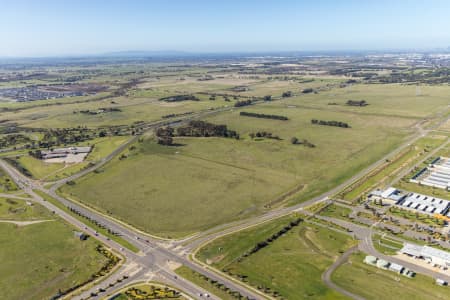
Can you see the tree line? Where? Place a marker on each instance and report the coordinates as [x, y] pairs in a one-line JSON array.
[[272, 238], [178, 98], [264, 134], [242, 103], [330, 123], [305, 142], [357, 103], [263, 116]]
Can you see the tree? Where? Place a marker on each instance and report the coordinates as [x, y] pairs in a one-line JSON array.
[[286, 94], [268, 98]]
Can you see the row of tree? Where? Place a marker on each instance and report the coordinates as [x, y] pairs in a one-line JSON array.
[[264, 134], [305, 142], [178, 98], [330, 123], [357, 103], [242, 103], [273, 237], [263, 116]]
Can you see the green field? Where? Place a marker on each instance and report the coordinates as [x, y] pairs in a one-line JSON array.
[[16, 209], [291, 265], [373, 283], [6, 183], [336, 211], [40, 259], [99, 229], [384, 99], [210, 181]]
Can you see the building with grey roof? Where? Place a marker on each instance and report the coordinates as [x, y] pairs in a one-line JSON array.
[[435, 256]]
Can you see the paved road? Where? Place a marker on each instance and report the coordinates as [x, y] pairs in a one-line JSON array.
[[326, 276]]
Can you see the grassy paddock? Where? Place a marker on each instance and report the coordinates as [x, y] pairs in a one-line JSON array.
[[291, 265], [7, 185], [174, 191], [103, 231], [40, 259], [373, 283], [18, 210]]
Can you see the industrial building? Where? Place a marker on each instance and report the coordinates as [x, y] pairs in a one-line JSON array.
[[390, 195], [437, 174], [425, 204], [413, 201], [385, 265], [434, 256]]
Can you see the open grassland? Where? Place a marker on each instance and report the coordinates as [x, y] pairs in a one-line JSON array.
[[40, 169], [89, 223], [291, 265], [276, 88], [7, 185], [18, 210], [336, 211], [373, 283], [173, 191], [40, 259], [385, 99]]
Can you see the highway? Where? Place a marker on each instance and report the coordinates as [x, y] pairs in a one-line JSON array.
[[153, 260]]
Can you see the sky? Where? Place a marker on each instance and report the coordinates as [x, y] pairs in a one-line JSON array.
[[84, 27]]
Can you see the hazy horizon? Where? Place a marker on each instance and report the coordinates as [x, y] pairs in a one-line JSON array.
[[66, 28]]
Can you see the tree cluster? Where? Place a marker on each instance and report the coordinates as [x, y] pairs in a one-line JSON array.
[[264, 134], [286, 94], [263, 116], [178, 98], [99, 111], [305, 142], [307, 91], [205, 129], [177, 115], [357, 103], [242, 103], [330, 123], [165, 135], [13, 139], [36, 154]]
